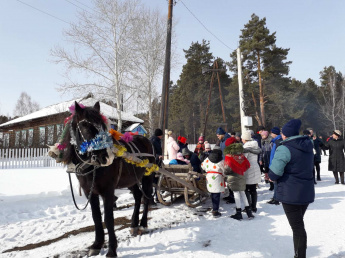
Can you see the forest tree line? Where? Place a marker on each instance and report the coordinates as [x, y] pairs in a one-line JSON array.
[[271, 97]]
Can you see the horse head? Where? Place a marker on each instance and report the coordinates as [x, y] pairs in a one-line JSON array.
[[90, 137]]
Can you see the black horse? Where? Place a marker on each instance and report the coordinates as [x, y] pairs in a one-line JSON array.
[[110, 173]]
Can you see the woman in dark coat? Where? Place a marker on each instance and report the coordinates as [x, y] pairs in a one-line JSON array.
[[336, 162], [318, 145]]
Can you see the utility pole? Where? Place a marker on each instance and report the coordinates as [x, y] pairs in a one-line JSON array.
[[163, 121], [240, 89], [214, 70]]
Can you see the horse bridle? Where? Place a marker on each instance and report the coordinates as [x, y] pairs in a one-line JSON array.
[[90, 156]]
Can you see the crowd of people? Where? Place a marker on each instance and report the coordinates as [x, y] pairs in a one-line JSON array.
[[287, 161]]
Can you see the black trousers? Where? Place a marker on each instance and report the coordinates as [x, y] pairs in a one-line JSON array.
[[317, 167], [295, 214], [252, 195], [215, 201]]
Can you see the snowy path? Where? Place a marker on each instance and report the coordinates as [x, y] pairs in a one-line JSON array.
[[36, 205]]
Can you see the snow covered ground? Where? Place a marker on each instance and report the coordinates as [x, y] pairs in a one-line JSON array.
[[36, 206]]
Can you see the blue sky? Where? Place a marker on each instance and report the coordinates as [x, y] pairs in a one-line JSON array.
[[312, 29]]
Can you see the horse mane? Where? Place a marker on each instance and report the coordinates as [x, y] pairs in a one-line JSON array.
[[91, 115]]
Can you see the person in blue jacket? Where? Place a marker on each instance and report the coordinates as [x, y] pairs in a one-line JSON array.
[[222, 137], [292, 168], [276, 140]]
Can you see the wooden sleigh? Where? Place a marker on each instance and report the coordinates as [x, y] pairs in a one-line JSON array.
[[177, 180]]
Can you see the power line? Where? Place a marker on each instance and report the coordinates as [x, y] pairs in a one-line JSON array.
[[44, 12], [205, 26], [79, 6]]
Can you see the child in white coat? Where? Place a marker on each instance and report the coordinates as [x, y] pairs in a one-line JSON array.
[[214, 167]]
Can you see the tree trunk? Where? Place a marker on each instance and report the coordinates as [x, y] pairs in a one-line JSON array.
[[257, 117], [261, 94]]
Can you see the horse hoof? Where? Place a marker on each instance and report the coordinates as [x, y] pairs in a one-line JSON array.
[[134, 231], [94, 252], [111, 254], [143, 230]]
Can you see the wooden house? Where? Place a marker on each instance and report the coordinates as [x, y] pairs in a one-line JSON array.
[[44, 127]]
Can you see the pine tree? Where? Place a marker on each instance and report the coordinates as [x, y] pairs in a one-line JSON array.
[[264, 67], [188, 101]]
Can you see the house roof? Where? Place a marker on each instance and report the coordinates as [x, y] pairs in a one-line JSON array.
[[133, 126], [106, 110]]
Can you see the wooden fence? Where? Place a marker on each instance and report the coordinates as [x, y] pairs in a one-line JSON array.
[[26, 158]]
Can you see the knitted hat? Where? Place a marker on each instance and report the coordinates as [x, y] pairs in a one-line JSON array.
[[220, 131], [158, 132], [183, 140], [207, 145], [247, 135], [216, 156], [201, 139], [264, 133], [292, 127], [306, 132], [238, 134], [337, 132], [275, 130], [229, 141], [179, 138]]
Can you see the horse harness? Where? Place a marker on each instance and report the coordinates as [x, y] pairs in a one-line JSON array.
[[84, 164]]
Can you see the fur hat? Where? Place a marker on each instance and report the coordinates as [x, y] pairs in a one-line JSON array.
[[247, 135], [220, 131], [337, 132], [158, 132], [264, 133], [216, 156], [234, 149], [230, 141], [275, 130], [292, 127]]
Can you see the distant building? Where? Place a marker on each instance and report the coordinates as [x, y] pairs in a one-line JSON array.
[[136, 128], [44, 127]]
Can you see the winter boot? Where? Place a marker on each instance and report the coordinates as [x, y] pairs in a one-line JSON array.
[[300, 246], [249, 212], [273, 201], [271, 186], [342, 178], [237, 215], [336, 177], [216, 214], [229, 199]]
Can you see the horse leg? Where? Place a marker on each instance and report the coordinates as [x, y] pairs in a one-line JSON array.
[[96, 247], [108, 201], [135, 217], [147, 182]]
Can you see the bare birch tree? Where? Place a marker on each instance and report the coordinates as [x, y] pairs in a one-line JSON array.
[[150, 60], [330, 107], [103, 51], [25, 105]]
